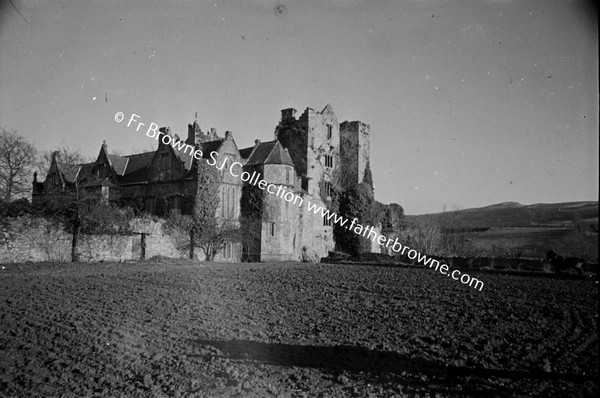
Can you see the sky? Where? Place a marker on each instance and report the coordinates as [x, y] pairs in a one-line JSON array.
[[470, 103]]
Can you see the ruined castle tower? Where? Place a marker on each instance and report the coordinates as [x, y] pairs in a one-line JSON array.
[[313, 142], [354, 152], [196, 135]]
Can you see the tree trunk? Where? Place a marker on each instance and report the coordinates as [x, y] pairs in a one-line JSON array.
[[143, 246], [192, 244], [74, 254]]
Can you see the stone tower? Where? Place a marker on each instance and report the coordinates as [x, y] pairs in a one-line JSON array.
[[313, 143], [354, 152], [278, 236]]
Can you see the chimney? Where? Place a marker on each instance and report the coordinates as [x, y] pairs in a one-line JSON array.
[[228, 134], [288, 115], [212, 136], [256, 141], [191, 138]]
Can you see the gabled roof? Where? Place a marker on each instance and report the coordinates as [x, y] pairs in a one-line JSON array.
[[246, 152], [118, 163], [185, 156], [137, 167], [210, 146], [271, 152], [85, 171], [69, 172], [77, 171], [100, 183]]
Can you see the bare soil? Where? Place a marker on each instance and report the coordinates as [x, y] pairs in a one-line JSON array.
[[182, 329]]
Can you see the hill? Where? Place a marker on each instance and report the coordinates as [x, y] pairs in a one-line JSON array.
[[512, 214], [513, 229]]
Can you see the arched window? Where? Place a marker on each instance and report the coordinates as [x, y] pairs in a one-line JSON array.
[[228, 251]]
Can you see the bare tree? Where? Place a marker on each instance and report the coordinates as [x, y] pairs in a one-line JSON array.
[[77, 209], [455, 240], [422, 236], [17, 160], [214, 241], [184, 230], [203, 228], [66, 157]]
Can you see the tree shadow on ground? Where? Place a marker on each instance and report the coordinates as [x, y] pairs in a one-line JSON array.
[[356, 359]]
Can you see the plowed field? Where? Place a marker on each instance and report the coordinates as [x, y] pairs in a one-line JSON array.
[[180, 329]]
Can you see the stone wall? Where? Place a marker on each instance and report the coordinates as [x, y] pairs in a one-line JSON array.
[[279, 234], [96, 248], [354, 152], [36, 239], [33, 239], [317, 239], [157, 242]]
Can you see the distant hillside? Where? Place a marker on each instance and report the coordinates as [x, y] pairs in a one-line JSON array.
[[512, 214], [515, 230]]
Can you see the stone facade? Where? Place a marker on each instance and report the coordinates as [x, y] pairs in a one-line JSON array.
[[306, 158], [354, 152]]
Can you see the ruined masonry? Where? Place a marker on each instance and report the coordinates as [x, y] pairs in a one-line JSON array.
[[308, 153]]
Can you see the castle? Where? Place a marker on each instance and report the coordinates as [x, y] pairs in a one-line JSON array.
[[308, 154]]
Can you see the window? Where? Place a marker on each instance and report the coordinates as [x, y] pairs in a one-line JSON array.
[[228, 202], [228, 252], [223, 202], [272, 229], [231, 203], [164, 166], [328, 160], [326, 222], [328, 189], [287, 175], [329, 131]]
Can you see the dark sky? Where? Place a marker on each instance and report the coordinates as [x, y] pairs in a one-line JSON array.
[[470, 102]]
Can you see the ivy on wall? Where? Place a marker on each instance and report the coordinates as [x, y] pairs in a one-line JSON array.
[[332, 198], [354, 203], [207, 199]]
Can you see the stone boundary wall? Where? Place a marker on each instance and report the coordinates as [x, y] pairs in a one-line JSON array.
[[157, 242], [29, 239], [460, 263], [96, 248], [34, 239], [499, 263]]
